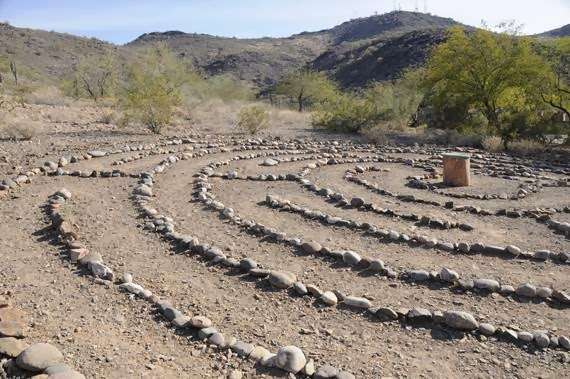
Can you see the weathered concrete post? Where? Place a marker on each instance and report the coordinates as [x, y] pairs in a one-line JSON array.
[[456, 167]]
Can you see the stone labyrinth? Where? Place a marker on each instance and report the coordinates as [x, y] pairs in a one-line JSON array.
[[361, 236]]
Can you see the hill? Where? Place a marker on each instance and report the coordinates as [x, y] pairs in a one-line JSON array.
[[48, 56], [556, 33], [379, 60], [263, 61]]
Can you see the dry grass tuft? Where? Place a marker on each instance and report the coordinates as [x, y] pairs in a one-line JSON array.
[[492, 144], [526, 147], [47, 96], [18, 129]]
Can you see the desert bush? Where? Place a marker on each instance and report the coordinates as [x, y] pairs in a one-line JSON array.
[[47, 95], [252, 119], [154, 87], [106, 117], [492, 144], [18, 129], [348, 113], [94, 78], [376, 135]]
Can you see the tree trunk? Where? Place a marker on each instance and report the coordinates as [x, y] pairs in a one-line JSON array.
[[300, 101]]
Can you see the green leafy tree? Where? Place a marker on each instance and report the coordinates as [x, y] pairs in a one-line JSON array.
[[556, 91], [485, 72], [154, 87], [307, 87]]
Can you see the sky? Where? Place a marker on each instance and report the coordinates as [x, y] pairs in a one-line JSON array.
[[121, 21]]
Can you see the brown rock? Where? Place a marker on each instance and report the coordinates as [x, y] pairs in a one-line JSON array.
[[11, 347]]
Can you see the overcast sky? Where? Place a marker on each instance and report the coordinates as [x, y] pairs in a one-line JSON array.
[[123, 20]]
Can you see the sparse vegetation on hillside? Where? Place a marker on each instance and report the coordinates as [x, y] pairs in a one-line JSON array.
[[154, 87]]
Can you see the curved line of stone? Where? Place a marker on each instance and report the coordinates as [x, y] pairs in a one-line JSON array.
[[507, 252], [454, 319], [288, 358], [538, 213], [449, 277]]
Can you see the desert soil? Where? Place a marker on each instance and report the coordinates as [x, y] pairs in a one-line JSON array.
[[105, 333]]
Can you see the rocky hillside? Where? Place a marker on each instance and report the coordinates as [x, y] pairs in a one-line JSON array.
[[265, 60], [354, 53], [48, 56], [378, 60]]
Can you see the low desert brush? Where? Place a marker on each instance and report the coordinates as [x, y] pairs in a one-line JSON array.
[[252, 119]]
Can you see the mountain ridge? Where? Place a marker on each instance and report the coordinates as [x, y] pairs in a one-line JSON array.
[[375, 48]]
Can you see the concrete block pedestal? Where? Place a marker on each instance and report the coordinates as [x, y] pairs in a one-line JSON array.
[[456, 169]]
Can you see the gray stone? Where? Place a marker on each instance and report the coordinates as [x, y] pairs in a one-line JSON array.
[[487, 285], [357, 302], [487, 329], [526, 290], [200, 322], [242, 349], [270, 162], [38, 357], [206, 332], [300, 288], [290, 359], [544, 292], [311, 247], [542, 255], [259, 353], [513, 250], [418, 275], [329, 298], [460, 320], [507, 290], [97, 153], [309, 369], [525, 336], [11, 347], [448, 275], [248, 264], [564, 342], [356, 202], [314, 290], [351, 258], [419, 315], [56, 369], [376, 266], [541, 340], [345, 375], [218, 339], [326, 372], [281, 279]]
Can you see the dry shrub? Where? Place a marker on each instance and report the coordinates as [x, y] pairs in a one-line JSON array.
[[376, 135], [492, 144], [18, 129], [46, 96], [107, 117], [450, 138], [526, 146], [253, 119]]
